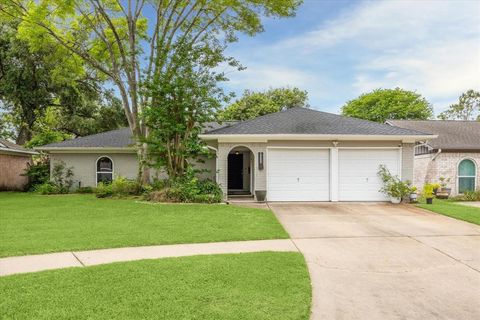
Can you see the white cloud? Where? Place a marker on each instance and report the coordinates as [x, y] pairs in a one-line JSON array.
[[429, 46]]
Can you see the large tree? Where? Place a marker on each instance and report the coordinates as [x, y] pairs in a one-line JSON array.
[[133, 43], [467, 108], [32, 82], [253, 104], [384, 104]]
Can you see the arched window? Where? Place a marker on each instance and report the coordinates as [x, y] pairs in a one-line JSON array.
[[104, 170], [466, 175]]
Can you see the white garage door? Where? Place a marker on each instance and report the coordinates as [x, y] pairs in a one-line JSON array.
[[298, 175], [357, 173]]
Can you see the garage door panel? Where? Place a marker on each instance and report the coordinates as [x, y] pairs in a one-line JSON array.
[[298, 175], [357, 173]]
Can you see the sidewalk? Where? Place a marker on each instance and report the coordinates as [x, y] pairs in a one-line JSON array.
[[34, 263]]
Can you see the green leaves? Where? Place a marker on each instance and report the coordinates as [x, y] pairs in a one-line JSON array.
[[467, 108], [254, 104], [389, 104]]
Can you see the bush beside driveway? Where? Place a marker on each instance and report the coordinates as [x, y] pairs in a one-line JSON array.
[[32, 224]]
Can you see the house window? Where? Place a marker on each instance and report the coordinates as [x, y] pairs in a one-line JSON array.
[[104, 170], [466, 176]]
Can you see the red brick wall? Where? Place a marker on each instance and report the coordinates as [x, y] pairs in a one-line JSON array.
[[11, 168]]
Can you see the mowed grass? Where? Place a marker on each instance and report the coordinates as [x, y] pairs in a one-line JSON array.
[[264, 285], [31, 224], [454, 210]]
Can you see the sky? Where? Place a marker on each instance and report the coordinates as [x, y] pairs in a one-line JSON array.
[[337, 50]]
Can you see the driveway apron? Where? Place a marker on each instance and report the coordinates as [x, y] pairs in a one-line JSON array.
[[381, 261]]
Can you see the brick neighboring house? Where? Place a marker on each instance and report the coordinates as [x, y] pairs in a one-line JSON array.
[[455, 154], [14, 159]]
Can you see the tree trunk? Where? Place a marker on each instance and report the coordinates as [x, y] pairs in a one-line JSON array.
[[143, 168], [24, 135]]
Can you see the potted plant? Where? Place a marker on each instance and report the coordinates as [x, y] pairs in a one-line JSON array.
[[428, 192], [436, 187], [413, 194], [443, 192], [393, 187]]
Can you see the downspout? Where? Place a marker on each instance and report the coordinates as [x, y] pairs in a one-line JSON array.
[[437, 154]]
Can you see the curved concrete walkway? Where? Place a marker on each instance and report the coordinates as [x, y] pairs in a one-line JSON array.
[[34, 263]]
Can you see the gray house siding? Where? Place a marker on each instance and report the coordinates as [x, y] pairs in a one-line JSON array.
[[124, 164]]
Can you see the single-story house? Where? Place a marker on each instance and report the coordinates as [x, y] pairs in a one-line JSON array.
[[14, 159], [294, 155], [454, 155]]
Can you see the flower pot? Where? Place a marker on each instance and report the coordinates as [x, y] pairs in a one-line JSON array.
[[444, 193], [413, 197], [429, 200], [260, 195], [395, 200]]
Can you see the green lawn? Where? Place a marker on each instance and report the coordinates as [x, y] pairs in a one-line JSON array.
[[31, 224], [262, 285], [454, 210]]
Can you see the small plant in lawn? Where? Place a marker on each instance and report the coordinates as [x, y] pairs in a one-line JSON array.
[[393, 186]]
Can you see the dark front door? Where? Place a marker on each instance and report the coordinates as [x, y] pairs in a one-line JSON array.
[[235, 171]]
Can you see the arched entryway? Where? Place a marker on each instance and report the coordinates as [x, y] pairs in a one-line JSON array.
[[240, 171]]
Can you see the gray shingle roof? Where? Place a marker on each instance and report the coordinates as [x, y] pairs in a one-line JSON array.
[[309, 121], [6, 145], [452, 134], [121, 138]]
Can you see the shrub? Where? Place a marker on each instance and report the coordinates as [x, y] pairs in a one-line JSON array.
[[84, 190], [46, 188], [62, 177], [468, 196], [38, 173], [103, 190], [187, 188], [120, 187]]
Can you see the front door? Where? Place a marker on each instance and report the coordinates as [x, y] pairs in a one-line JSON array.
[[235, 171]]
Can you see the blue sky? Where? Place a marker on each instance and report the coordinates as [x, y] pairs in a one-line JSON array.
[[338, 49]]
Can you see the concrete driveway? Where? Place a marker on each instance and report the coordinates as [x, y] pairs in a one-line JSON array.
[[380, 261]]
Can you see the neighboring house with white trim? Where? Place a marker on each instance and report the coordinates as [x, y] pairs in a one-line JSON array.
[[294, 155], [454, 155]]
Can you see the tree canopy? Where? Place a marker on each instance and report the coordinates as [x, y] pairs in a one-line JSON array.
[[31, 83], [467, 108], [384, 104], [253, 104], [136, 53]]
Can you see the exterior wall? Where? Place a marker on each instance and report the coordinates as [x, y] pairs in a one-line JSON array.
[[429, 168], [11, 169], [408, 161], [260, 178], [84, 165], [124, 164], [260, 183]]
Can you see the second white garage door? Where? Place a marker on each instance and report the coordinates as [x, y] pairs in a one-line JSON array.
[[298, 175], [357, 173]]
